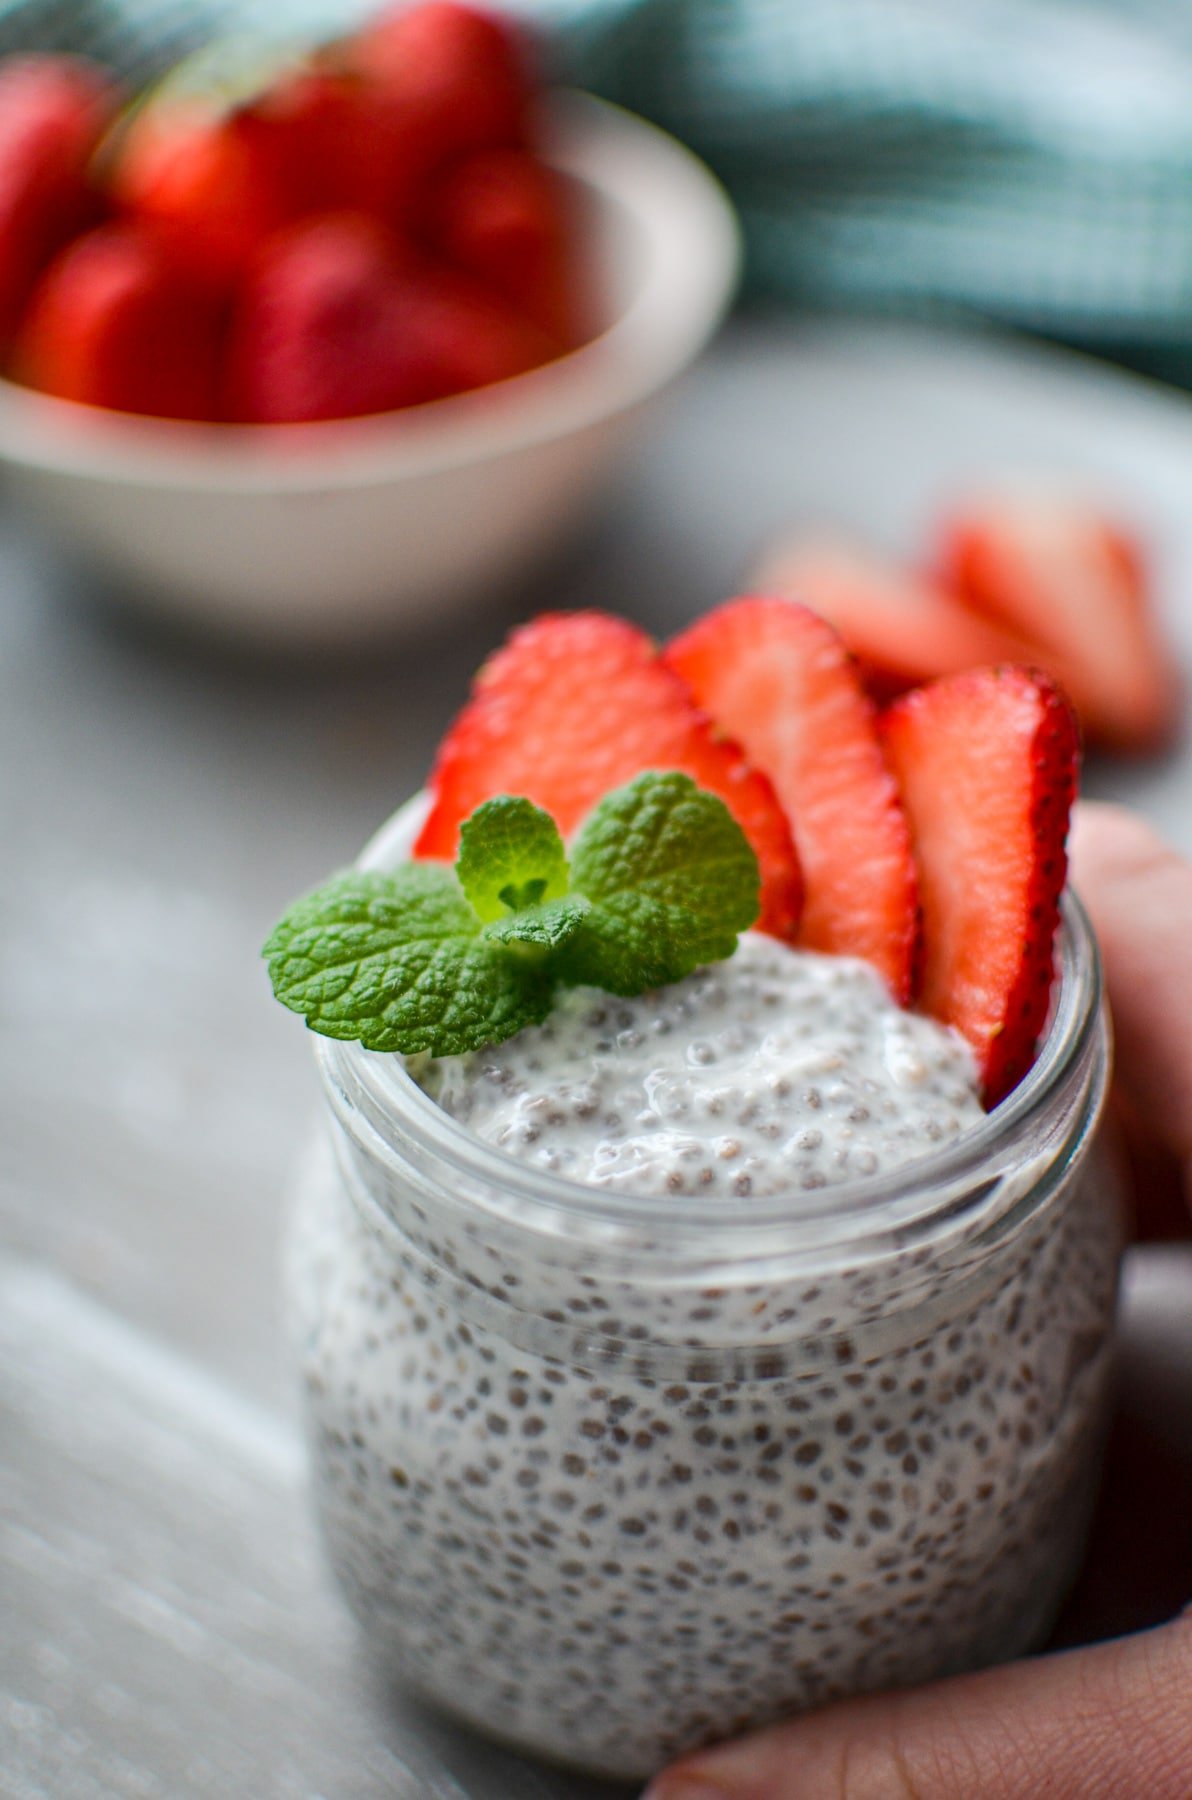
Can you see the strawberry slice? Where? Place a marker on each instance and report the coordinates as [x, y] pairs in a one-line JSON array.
[[572, 706], [987, 764], [902, 629], [52, 111], [1062, 574], [780, 681], [113, 324]]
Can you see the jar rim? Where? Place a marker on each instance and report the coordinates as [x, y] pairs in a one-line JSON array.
[[910, 1194]]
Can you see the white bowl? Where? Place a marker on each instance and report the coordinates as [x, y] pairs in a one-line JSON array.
[[328, 533]]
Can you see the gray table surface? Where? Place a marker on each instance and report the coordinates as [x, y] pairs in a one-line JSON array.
[[166, 1628]]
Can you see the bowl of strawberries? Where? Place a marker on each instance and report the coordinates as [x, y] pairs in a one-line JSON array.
[[306, 341]]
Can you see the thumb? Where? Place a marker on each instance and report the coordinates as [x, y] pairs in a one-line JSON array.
[[1139, 894], [1109, 1723]]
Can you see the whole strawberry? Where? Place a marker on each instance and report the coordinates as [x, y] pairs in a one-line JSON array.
[[504, 217], [329, 140], [195, 167], [457, 76], [116, 324], [52, 112], [461, 335], [113, 323], [318, 330]]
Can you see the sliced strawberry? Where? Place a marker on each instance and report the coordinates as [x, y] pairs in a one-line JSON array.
[[457, 74], [113, 324], [52, 111], [1062, 574], [780, 682], [317, 329], [902, 628], [504, 218], [572, 706], [987, 766]]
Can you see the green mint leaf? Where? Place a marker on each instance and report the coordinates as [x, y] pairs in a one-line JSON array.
[[672, 879], [510, 857], [547, 927], [399, 962]]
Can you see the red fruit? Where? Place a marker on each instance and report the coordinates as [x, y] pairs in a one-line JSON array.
[[1063, 575], [205, 180], [574, 705], [460, 336], [987, 764], [113, 324], [902, 629], [336, 319], [780, 682], [318, 329], [504, 218], [457, 75], [332, 142], [309, 125], [52, 111]]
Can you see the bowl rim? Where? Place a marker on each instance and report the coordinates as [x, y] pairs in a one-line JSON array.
[[693, 261]]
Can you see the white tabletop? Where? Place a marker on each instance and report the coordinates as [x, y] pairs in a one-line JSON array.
[[166, 1628]]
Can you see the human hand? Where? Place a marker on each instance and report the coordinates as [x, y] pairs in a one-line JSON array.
[[1108, 1722]]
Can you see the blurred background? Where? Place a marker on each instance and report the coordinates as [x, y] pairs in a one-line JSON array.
[[233, 629], [1019, 160]]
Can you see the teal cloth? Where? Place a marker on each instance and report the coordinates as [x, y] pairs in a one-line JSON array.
[[1025, 160]]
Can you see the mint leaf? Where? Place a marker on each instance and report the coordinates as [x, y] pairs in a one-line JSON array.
[[399, 962], [672, 879], [548, 926], [510, 857]]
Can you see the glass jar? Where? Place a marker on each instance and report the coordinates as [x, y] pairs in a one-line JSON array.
[[609, 1477]]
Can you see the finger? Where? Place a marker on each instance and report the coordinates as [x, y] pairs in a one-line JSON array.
[[1139, 895], [1110, 1723]]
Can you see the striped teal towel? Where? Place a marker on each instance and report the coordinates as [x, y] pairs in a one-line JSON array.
[[1026, 160]]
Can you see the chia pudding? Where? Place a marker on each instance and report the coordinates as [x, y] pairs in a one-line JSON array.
[[778, 1071], [689, 1360]]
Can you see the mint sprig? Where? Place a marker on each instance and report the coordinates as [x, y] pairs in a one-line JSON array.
[[443, 961]]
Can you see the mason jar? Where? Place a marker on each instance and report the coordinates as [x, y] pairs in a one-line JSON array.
[[609, 1476]]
